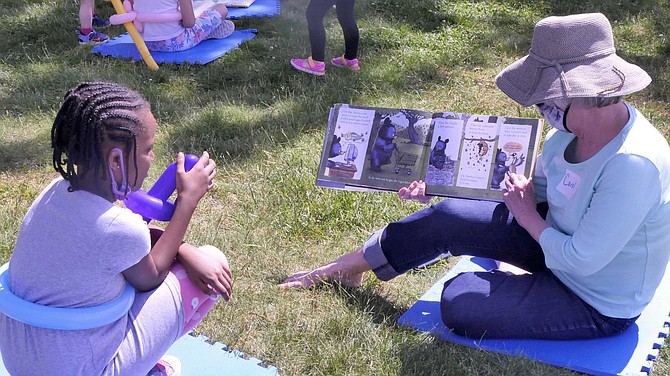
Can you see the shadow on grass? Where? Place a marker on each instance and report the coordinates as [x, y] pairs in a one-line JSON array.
[[368, 301], [21, 155], [363, 299]]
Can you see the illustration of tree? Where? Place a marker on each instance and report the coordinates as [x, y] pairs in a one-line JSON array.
[[412, 118]]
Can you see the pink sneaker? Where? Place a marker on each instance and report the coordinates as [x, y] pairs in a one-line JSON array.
[[168, 365], [340, 61], [309, 66]]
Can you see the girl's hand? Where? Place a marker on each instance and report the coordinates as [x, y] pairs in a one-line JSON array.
[[208, 269], [192, 185], [415, 191]]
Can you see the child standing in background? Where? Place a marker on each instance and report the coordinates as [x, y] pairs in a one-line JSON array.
[[77, 249], [88, 20], [191, 30], [316, 11]]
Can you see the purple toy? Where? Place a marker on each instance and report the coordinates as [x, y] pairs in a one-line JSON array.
[[154, 204]]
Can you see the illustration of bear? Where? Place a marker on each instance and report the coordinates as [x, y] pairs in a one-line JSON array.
[[437, 156], [335, 150], [383, 147], [500, 168]]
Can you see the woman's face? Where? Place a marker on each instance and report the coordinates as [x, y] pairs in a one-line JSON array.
[[145, 149]]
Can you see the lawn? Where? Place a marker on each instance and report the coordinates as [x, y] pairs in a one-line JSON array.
[[264, 124]]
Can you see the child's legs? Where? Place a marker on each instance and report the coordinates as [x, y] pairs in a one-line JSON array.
[[196, 303], [205, 23], [158, 318], [86, 13], [345, 15], [316, 10], [503, 305], [155, 322]]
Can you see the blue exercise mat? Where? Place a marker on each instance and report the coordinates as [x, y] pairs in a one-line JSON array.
[[260, 8], [203, 53], [200, 358], [630, 353]]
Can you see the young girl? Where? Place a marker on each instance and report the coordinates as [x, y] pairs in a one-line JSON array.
[[77, 249], [316, 11], [182, 35]]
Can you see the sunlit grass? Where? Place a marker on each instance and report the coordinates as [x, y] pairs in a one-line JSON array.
[[264, 124]]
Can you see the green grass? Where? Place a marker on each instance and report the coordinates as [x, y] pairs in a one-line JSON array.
[[264, 123]]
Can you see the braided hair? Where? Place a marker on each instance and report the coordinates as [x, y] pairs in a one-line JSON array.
[[92, 114]]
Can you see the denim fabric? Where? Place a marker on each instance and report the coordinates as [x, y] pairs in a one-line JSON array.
[[491, 304]]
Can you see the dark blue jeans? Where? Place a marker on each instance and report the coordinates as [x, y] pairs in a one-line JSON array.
[[316, 11], [492, 304]]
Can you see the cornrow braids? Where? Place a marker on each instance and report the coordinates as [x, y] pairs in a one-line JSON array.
[[92, 114]]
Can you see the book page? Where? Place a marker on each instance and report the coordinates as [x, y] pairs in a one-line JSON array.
[[350, 138], [477, 152], [476, 161], [511, 153], [444, 150], [237, 3], [378, 148], [199, 6]]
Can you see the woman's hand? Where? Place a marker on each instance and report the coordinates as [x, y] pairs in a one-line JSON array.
[[192, 185], [415, 191], [519, 196], [208, 269]]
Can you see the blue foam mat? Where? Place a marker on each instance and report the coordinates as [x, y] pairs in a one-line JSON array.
[[630, 353], [260, 8], [203, 53], [200, 358]]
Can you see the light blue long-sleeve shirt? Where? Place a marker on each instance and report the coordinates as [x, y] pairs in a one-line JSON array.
[[609, 239]]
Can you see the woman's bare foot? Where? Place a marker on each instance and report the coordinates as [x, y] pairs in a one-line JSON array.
[[347, 270], [307, 279]]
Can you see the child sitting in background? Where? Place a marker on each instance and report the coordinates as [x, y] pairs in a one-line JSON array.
[[77, 249], [187, 33]]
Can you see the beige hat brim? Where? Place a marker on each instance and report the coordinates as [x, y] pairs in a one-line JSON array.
[[529, 81]]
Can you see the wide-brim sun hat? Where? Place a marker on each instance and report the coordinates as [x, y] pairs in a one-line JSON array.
[[570, 57]]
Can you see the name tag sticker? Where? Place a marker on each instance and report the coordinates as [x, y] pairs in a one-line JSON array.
[[569, 184]]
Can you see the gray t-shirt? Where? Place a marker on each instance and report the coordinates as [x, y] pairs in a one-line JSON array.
[[70, 252]]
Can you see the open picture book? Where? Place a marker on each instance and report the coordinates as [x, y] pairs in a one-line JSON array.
[[237, 3], [456, 154], [200, 6]]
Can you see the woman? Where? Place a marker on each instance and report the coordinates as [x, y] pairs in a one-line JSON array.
[[592, 227]]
